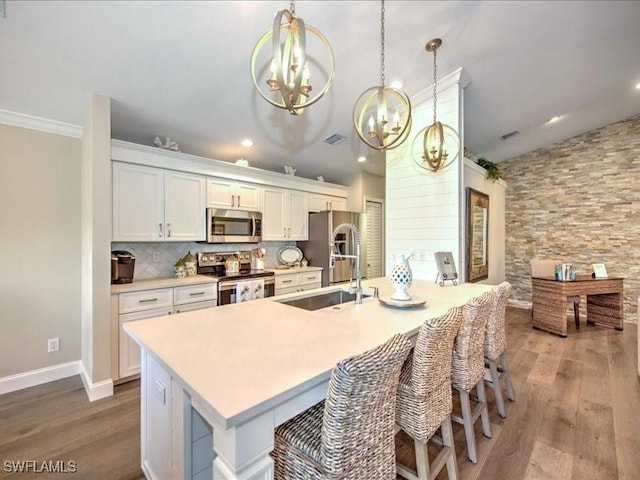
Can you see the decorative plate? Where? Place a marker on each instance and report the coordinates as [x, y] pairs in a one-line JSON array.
[[289, 254], [414, 302]]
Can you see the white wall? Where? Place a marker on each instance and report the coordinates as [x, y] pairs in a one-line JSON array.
[[364, 184], [40, 254], [96, 243], [423, 208], [475, 177]]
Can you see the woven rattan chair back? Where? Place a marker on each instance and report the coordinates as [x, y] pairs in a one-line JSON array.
[[431, 361], [495, 339], [359, 413], [424, 396], [467, 366]]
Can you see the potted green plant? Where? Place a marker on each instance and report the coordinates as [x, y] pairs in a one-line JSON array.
[[493, 173]]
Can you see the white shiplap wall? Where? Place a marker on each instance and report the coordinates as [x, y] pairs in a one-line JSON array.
[[424, 209]]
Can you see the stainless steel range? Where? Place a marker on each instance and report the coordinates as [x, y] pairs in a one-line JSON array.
[[236, 280]]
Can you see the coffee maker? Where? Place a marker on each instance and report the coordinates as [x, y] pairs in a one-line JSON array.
[[122, 265]]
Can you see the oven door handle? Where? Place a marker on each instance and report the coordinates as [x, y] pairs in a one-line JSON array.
[[226, 286]]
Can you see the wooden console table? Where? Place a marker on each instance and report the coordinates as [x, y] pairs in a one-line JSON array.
[[604, 301]]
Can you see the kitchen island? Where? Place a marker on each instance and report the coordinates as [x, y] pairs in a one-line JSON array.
[[245, 369]]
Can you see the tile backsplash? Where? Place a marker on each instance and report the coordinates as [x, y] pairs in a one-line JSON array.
[[170, 252]]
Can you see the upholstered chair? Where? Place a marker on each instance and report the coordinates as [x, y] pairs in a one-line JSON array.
[[546, 268], [349, 435], [495, 347], [467, 368], [424, 397]]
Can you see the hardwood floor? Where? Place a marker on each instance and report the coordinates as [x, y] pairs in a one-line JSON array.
[[576, 416]]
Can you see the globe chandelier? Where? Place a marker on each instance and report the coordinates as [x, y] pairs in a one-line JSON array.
[[437, 146], [289, 83], [382, 115]]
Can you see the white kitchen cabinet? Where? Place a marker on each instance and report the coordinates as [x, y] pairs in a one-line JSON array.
[[128, 350], [285, 214], [176, 441], [152, 204], [201, 292], [319, 202], [297, 282], [157, 446], [223, 193], [184, 206], [157, 302]]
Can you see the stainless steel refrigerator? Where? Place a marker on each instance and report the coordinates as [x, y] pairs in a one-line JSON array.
[[317, 251]]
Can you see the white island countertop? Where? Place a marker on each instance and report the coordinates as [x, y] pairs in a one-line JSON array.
[[240, 360], [247, 368]]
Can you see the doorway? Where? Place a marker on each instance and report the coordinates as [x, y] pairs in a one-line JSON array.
[[374, 239]]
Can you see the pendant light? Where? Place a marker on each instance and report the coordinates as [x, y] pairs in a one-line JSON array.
[[438, 145], [290, 80], [382, 115]]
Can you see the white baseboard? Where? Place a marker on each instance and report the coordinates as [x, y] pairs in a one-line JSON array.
[[32, 378], [95, 391], [39, 376]]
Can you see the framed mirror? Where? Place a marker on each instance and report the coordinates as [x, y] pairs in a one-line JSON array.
[[477, 235]]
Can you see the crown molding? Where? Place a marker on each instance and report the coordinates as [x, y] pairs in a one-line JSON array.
[[458, 77], [42, 124]]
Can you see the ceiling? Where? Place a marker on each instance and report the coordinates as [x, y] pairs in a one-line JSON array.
[[181, 69]]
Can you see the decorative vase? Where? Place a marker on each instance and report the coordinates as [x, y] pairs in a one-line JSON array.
[[401, 278]]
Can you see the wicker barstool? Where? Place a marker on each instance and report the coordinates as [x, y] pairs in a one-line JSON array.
[[467, 368], [495, 347], [423, 402], [349, 435]]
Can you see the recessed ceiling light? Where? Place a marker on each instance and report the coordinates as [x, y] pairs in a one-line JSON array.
[[637, 86], [362, 158], [397, 84], [247, 142], [554, 119]]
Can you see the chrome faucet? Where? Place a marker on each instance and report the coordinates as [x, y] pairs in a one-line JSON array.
[[355, 239]]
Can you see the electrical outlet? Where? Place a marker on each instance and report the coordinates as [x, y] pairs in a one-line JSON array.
[[53, 345], [421, 256], [155, 257]]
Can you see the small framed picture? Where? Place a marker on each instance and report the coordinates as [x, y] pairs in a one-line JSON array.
[[599, 271]]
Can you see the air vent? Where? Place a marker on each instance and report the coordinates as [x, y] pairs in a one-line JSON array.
[[335, 139], [507, 136]]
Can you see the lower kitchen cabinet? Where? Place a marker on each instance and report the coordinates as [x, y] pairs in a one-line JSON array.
[[128, 350], [298, 282], [158, 302]]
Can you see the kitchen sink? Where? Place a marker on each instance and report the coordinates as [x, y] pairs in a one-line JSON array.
[[322, 300]]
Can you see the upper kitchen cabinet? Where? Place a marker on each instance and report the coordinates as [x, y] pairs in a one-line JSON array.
[[227, 194], [319, 202], [285, 214], [156, 205]]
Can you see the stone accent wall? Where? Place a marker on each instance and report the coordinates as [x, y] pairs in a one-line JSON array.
[[577, 201]]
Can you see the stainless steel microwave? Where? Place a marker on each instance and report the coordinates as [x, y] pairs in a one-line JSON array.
[[233, 226]]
